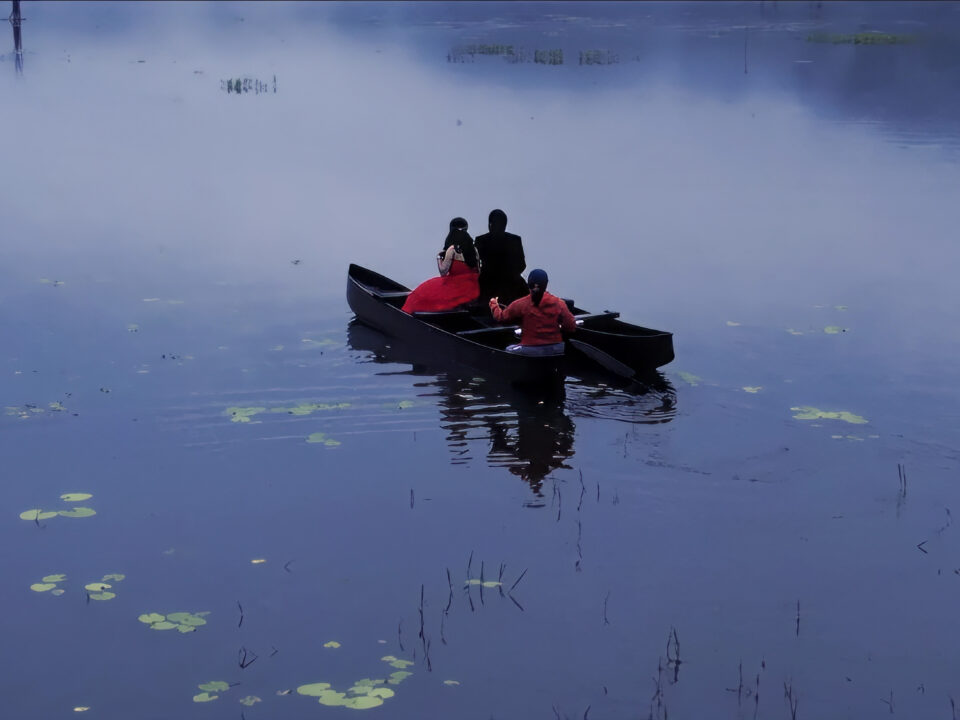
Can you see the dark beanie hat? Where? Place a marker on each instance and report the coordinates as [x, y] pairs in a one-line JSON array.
[[458, 223], [537, 277]]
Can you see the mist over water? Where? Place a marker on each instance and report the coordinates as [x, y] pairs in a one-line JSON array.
[[176, 342]]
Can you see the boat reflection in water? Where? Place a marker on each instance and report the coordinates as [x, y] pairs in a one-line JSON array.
[[529, 432]]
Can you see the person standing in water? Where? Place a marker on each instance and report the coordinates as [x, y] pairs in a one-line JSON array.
[[501, 261], [541, 316]]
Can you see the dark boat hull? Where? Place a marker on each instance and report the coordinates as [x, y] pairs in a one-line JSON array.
[[376, 301]]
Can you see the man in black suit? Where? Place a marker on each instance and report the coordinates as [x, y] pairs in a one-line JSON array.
[[501, 261]]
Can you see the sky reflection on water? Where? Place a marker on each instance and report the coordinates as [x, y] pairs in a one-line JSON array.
[[171, 250]]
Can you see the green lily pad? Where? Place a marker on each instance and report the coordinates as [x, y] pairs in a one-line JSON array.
[[752, 388], [54, 578], [811, 413], [250, 700], [58, 592], [404, 404], [75, 497], [97, 586], [42, 587], [204, 697], [834, 330], [185, 618], [243, 414], [360, 702], [794, 332], [331, 644], [319, 437], [484, 583], [163, 626], [150, 618], [116, 577], [215, 686], [37, 514], [399, 676], [451, 682], [401, 664], [690, 378], [733, 323], [102, 596], [186, 628], [332, 698], [78, 512], [313, 689], [381, 692]]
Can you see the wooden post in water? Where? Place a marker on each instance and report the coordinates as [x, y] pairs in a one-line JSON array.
[[15, 20]]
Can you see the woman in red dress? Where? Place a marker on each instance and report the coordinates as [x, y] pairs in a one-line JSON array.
[[459, 275]]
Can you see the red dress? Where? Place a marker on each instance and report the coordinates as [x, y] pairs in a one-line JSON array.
[[459, 286]]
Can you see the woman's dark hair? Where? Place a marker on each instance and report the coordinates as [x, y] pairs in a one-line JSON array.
[[539, 279], [463, 244]]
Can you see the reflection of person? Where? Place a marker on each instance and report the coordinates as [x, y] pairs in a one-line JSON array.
[[501, 261], [457, 283], [541, 317]]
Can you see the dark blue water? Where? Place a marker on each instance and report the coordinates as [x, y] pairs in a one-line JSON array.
[[176, 342]]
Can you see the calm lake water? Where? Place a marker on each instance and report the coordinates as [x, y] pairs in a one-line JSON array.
[[175, 342]]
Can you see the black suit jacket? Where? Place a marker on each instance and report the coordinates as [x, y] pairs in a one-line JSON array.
[[501, 265]]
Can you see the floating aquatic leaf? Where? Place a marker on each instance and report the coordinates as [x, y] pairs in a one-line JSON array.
[[834, 330], [794, 332], [401, 664], [284, 692], [185, 628], [319, 437], [331, 644], [258, 561], [371, 682], [163, 626], [451, 682], [116, 577], [151, 299], [185, 618], [150, 618], [731, 323], [690, 378], [243, 414], [42, 587], [752, 388], [332, 698], [484, 583], [54, 578], [78, 512], [81, 708], [811, 413], [250, 700], [388, 658], [37, 514], [102, 596], [56, 407], [360, 702], [381, 692], [399, 676], [313, 689], [75, 497], [276, 348], [215, 686], [404, 404], [58, 592], [204, 697], [97, 586], [840, 307], [133, 327]]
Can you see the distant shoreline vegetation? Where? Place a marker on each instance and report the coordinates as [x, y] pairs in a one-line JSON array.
[[247, 85], [514, 54], [863, 38]]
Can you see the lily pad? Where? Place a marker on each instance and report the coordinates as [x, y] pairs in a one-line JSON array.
[[404, 404], [58, 592], [250, 700], [313, 689], [185, 618], [97, 586], [243, 414], [332, 698], [811, 413], [484, 583], [319, 437], [204, 697], [54, 578], [381, 692], [732, 323], [794, 332], [360, 702], [451, 682], [116, 577], [42, 587], [185, 628], [37, 514], [331, 644], [102, 596], [150, 618], [215, 686], [752, 388], [163, 626], [78, 512], [690, 378], [75, 497], [834, 330], [258, 561], [399, 676]]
